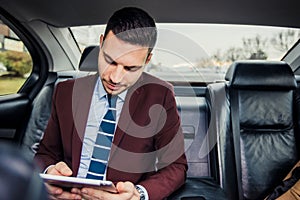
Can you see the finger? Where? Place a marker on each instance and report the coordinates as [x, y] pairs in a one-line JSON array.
[[76, 191], [63, 169], [68, 195], [90, 193], [127, 190], [59, 193], [120, 186], [53, 190], [125, 187], [60, 169]]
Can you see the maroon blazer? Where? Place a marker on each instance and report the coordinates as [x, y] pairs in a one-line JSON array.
[[148, 146]]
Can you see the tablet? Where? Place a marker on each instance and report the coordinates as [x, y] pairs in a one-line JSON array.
[[67, 182]]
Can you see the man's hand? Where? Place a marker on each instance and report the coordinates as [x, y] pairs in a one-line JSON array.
[[60, 169], [126, 191]]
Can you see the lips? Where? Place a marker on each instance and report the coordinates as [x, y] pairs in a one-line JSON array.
[[112, 87]]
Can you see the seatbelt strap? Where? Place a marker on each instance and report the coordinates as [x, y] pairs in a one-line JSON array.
[[235, 125]]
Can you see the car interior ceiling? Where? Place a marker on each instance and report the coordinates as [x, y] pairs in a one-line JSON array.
[[253, 111], [268, 12]]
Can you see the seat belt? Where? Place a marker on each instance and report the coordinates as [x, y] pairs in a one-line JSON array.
[[235, 134]]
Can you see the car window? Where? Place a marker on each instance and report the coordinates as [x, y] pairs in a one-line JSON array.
[[203, 52], [15, 61]]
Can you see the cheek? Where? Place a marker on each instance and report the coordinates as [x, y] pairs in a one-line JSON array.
[[132, 78], [103, 69]]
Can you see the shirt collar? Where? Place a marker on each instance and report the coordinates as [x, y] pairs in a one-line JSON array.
[[101, 93], [122, 95]]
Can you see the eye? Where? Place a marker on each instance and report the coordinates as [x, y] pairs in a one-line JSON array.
[[132, 68], [113, 63], [109, 61]]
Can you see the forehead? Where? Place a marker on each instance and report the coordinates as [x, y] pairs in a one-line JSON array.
[[117, 49]]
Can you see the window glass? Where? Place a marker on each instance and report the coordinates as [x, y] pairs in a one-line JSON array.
[[15, 61], [203, 52]]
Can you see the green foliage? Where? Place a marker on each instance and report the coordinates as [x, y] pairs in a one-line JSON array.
[[19, 63]]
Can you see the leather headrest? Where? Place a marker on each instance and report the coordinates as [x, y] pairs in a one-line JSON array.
[[89, 59], [261, 75]]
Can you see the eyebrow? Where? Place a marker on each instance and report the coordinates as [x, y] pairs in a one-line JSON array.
[[106, 56]]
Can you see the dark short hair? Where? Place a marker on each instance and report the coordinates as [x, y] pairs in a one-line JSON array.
[[133, 25]]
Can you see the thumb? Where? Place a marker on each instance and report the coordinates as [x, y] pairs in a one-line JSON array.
[[128, 190], [120, 187], [125, 187], [62, 169]]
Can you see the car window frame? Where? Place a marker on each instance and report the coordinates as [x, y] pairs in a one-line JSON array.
[[40, 66]]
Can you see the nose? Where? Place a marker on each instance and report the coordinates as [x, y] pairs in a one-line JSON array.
[[117, 74]]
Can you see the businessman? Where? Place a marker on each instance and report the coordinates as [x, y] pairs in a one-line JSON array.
[[121, 124]]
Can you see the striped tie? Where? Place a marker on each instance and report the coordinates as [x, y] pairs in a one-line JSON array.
[[103, 141]]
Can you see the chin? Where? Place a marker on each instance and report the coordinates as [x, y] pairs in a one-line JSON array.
[[114, 92]]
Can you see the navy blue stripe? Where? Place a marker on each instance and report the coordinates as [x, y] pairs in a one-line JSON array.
[[110, 115], [107, 127], [103, 140], [97, 167], [90, 176], [101, 153]]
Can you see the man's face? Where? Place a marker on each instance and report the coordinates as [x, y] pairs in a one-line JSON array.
[[120, 63]]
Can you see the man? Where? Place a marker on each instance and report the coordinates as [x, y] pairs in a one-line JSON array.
[[146, 157]]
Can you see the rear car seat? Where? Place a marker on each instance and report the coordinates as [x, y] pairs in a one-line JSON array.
[[257, 133], [41, 108]]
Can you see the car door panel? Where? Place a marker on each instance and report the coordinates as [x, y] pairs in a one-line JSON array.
[[14, 112]]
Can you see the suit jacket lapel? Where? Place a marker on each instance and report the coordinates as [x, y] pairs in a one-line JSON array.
[[81, 100]]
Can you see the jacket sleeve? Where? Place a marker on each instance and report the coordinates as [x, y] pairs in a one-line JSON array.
[[50, 149]]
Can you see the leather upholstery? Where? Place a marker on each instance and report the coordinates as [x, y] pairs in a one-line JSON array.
[[260, 75], [268, 127], [89, 59], [267, 133], [296, 114], [199, 189], [219, 127], [268, 147]]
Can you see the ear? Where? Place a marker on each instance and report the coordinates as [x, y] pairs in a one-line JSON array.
[[101, 40], [148, 58]]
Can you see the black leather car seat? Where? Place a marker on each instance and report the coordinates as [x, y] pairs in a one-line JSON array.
[[262, 133], [89, 59]]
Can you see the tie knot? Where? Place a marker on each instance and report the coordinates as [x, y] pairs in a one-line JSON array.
[[112, 100]]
